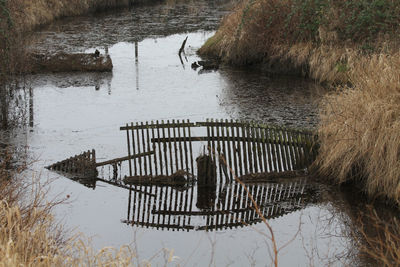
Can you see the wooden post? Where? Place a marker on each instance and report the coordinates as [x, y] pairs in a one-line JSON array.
[[206, 171], [206, 198]]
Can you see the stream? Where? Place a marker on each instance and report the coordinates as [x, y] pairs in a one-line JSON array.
[[76, 112]]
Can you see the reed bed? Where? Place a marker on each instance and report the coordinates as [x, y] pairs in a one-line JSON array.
[[360, 128]]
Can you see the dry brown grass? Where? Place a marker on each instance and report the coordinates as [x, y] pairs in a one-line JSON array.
[[28, 14], [30, 236], [360, 128], [311, 35]]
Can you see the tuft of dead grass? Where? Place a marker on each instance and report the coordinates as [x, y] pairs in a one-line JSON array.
[[360, 128]]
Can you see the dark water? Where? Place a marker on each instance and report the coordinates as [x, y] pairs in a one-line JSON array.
[[74, 112]]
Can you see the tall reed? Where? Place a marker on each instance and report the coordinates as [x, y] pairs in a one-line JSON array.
[[360, 128]]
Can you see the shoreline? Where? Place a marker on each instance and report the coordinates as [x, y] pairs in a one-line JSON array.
[[27, 15], [358, 129]]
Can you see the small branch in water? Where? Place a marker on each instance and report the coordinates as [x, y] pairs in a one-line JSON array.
[[183, 46]]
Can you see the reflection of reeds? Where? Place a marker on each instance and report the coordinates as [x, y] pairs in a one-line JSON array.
[[378, 239]]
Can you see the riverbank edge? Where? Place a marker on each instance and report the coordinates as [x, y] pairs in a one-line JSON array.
[[27, 15], [358, 142]]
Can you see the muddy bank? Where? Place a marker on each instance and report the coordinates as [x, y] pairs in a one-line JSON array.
[[63, 62]]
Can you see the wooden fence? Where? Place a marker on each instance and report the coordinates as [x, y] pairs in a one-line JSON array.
[[164, 148], [237, 148], [227, 206]]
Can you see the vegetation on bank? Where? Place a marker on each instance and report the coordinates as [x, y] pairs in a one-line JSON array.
[[29, 235], [28, 14], [322, 37], [353, 43]]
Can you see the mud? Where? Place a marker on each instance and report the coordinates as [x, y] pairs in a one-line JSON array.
[[63, 62]]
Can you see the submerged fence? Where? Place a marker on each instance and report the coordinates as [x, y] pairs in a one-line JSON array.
[[236, 148], [227, 206], [161, 149], [164, 159]]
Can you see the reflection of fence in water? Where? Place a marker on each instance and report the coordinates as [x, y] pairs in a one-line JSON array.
[[202, 208], [158, 151], [242, 147]]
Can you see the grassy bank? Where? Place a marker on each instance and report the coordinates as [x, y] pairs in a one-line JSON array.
[[27, 14], [353, 43]]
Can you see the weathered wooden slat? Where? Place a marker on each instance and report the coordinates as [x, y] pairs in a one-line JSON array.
[[185, 147], [144, 148], [190, 149], [249, 143], [254, 147], [238, 152], [245, 151], [159, 150], [226, 151], [162, 226], [175, 146], [221, 159], [162, 125], [180, 147], [137, 133], [154, 149], [150, 162], [135, 156], [272, 151], [171, 159], [165, 148], [284, 152]]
